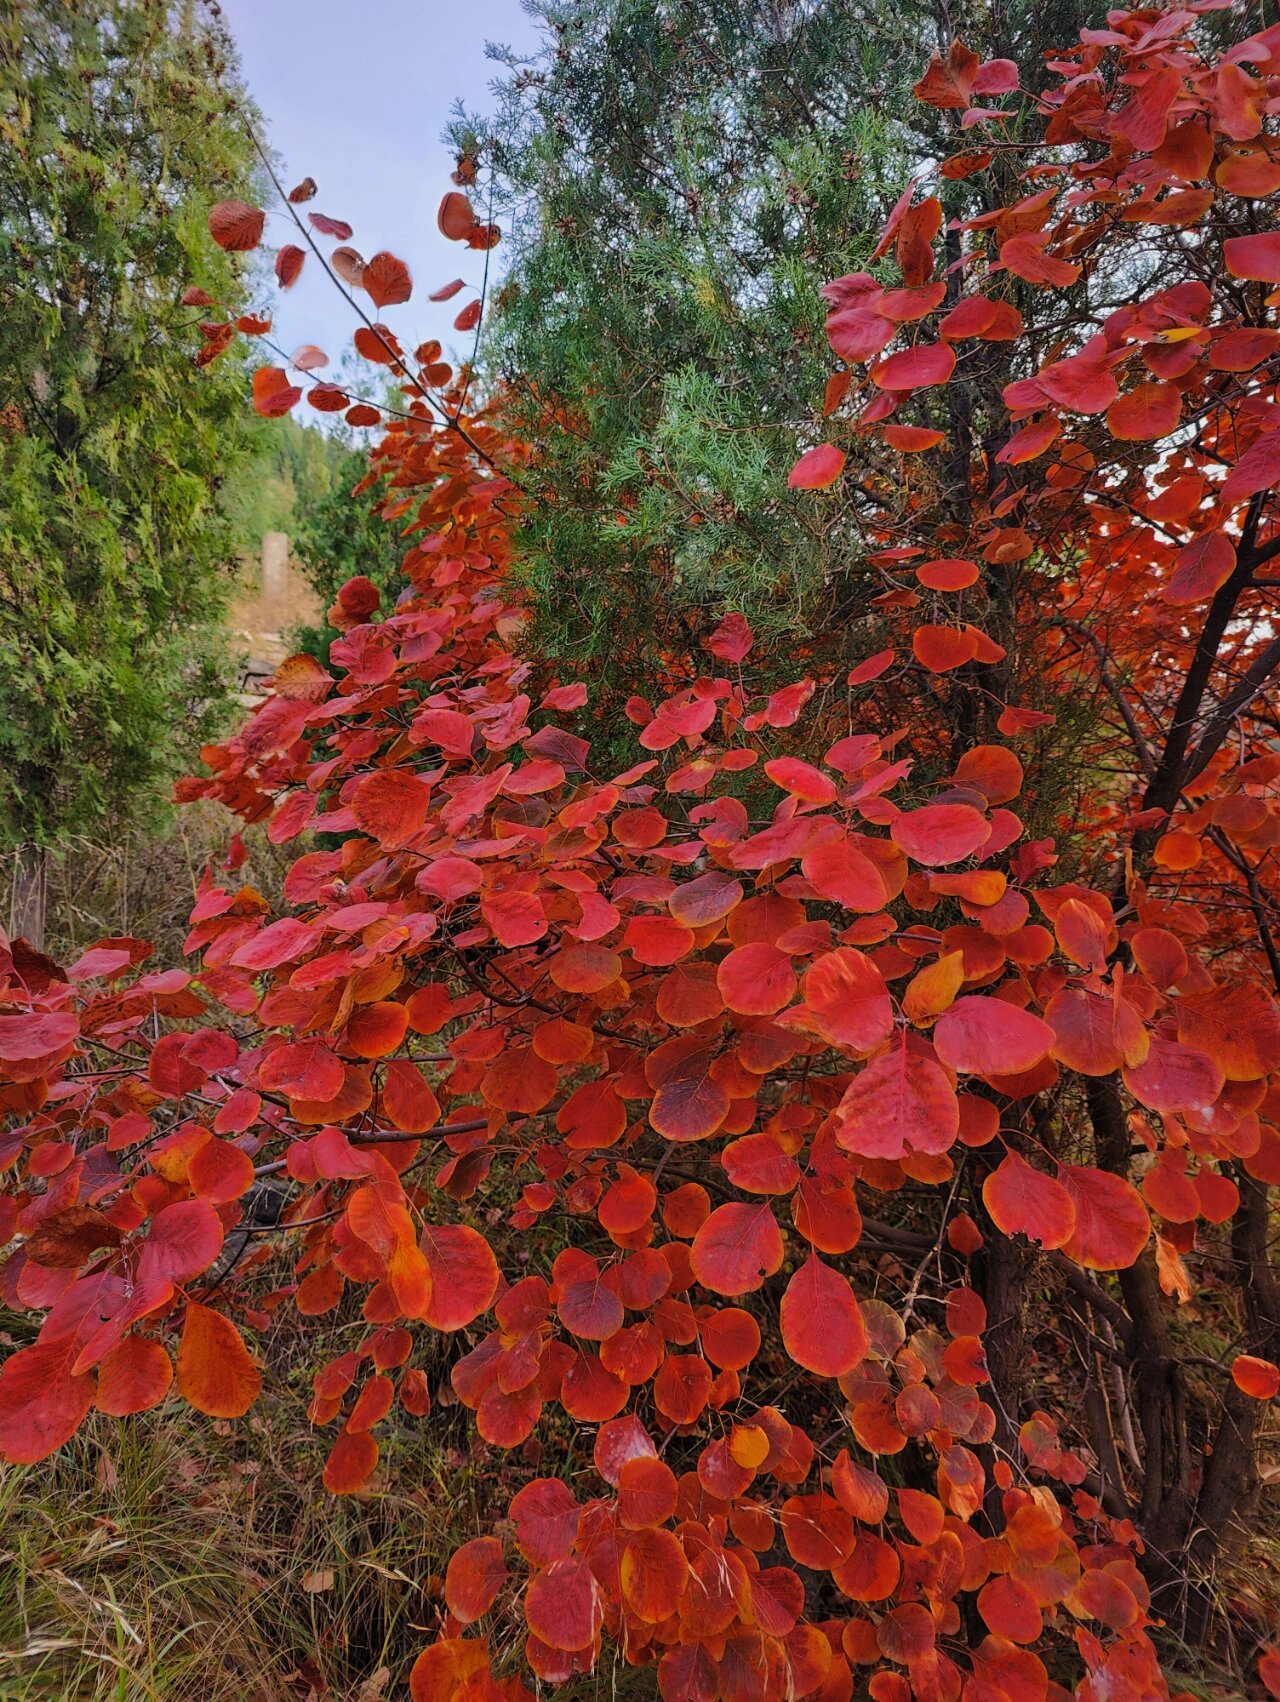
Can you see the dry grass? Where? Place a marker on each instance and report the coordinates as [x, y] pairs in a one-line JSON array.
[[143, 882], [155, 1561], [169, 1558]]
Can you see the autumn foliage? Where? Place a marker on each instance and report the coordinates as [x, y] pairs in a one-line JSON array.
[[731, 1110]]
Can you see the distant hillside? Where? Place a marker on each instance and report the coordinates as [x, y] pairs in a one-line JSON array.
[[297, 467]]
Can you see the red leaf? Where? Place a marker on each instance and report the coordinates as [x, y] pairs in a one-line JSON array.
[[736, 1249], [1024, 1201], [391, 805], [41, 1404], [940, 834], [1010, 1610], [756, 979], [1201, 568], [375, 1030], [1256, 257], [36, 1034], [330, 227], [647, 1493], [351, 1462], [99, 964], [948, 574], [801, 779], [1269, 1668], [378, 344], [1026, 258], [220, 1172], [838, 870], [407, 1098], [464, 1275], [915, 369], [1236, 1024], [913, 440], [822, 1327], [689, 1104], [731, 640], [289, 265], [443, 1670], [564, 1606], [1145, 413], [986, 1036], [236, 226], [545, 1515], [1112, 1224], [134, 1377], [901, 1102], [654, 1575], [475, 1575], [1143, 120], [301, 679], [277, 943], [947, 84], [941, 648], [302, 1069], [847, 997], [377, 1214], [455, 217], [1258, 469], [273, 394], [817, 468]]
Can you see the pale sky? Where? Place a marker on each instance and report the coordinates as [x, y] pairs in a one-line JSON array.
[[356, 96]]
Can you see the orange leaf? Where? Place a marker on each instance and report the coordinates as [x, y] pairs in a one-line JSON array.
[[273, 394], [133, 1377], [1256, 1377], [216, 1372], [387, 280], [455, 217]]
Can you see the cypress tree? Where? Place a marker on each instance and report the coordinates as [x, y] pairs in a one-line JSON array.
[[119, 126]]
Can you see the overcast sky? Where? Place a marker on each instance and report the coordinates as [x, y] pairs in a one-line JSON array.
[[356, 96]]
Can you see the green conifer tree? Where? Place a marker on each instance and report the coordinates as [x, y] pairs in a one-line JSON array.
[[119, 126], [679, 178]]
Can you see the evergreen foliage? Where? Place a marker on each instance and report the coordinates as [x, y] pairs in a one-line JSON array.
[[118, 127], [296, 466], [679, 179], [337, 536]]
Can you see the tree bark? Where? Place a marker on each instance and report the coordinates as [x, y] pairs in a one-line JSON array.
[[1002, 1282], [1228, 1500], [27, 899]]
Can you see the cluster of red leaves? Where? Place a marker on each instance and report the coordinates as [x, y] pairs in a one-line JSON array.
[[1140, 539], [689, 1018]]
